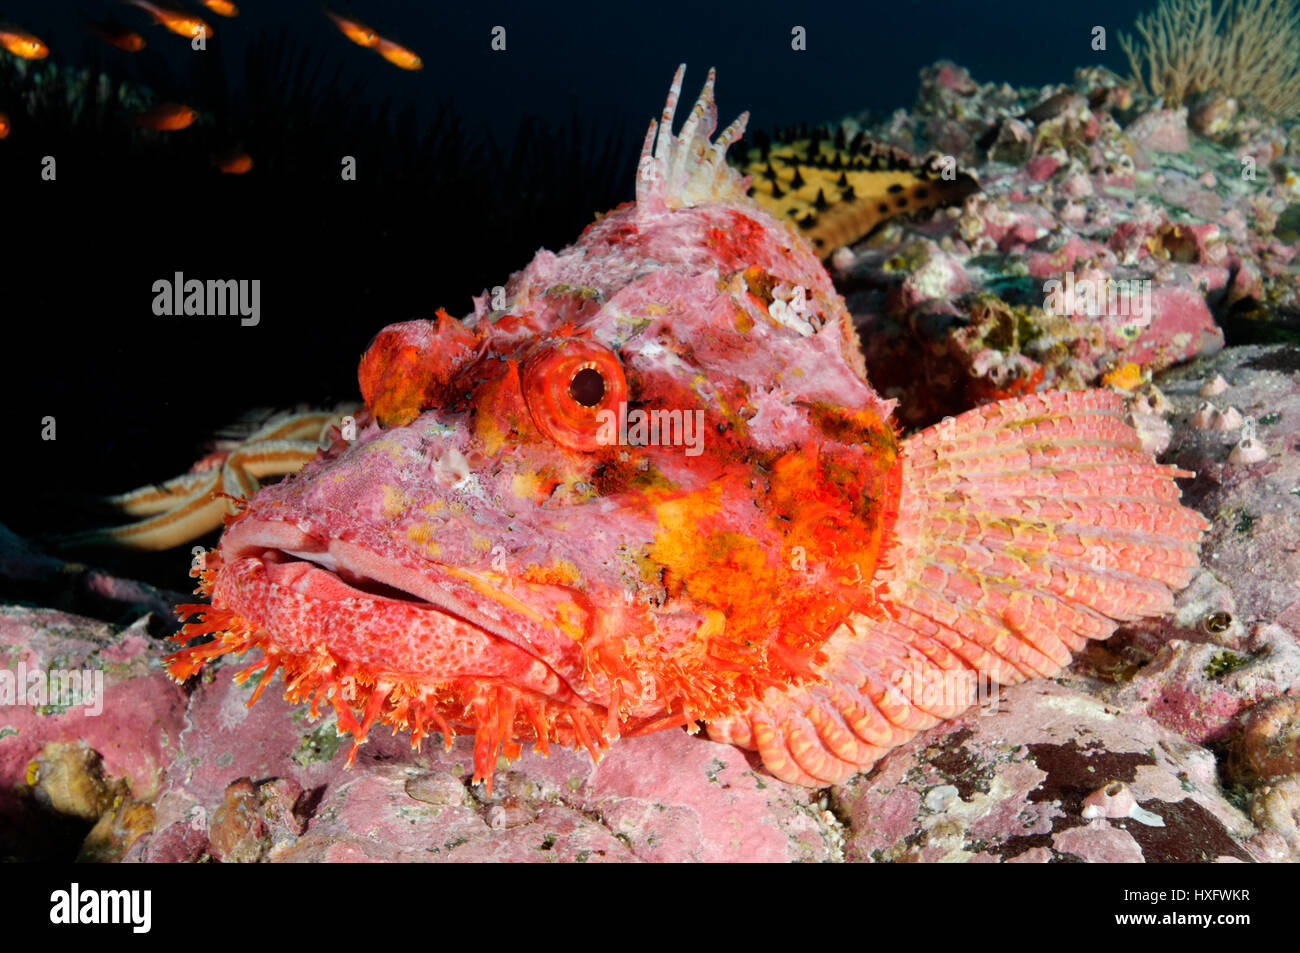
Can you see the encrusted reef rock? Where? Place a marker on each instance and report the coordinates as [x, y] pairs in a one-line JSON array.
[[70, 756], [1253, 505], [666, 796], [1052, 775], [1105, 232]]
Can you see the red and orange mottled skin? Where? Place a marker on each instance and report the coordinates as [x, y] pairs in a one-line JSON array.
[[482, 557]]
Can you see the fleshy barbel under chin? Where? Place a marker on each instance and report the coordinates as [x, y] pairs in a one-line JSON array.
[[337, 645]]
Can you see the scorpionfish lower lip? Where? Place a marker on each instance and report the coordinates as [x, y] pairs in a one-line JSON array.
[[309, 593]]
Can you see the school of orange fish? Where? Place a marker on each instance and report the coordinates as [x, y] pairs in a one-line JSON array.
[[171, 16]]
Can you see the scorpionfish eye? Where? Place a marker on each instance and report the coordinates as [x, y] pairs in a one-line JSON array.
[[567, 384]]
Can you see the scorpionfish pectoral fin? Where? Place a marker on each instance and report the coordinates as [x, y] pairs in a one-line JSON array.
[[1025, 528]]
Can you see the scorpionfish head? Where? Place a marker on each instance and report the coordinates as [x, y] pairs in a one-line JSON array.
[[640, 484]]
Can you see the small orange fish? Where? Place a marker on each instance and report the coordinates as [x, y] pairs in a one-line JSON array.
[[235, 162], [222, 8], [115, 34], [23, 44], [354, 30], [4, 125], [398, 55], [176, 19], [167, 116]]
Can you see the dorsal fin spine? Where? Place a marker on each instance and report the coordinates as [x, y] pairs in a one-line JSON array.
[[684, 170]]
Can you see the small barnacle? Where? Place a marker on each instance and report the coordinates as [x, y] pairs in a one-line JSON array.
[[1112, 800], [1248, 450], [1214, 386], [1205, 415], [1216, 622], [1116, 800], [1229, 419]]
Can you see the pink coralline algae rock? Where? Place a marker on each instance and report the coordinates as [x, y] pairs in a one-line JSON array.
[[1254, 508], [1045, 265], [1162, 130], [122, 706], [1198, 688], [948, 77], [934, 276], [1015, 786], [1042, 167], [663, 797], [1181, 325]]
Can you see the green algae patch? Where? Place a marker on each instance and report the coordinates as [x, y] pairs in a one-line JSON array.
[[1224, 662], [320, 744], [1288, 223]]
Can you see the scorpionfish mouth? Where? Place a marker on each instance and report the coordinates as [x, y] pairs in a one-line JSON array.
[[436, 648]]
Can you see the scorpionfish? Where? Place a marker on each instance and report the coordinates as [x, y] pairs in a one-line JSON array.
[[648, 485]]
